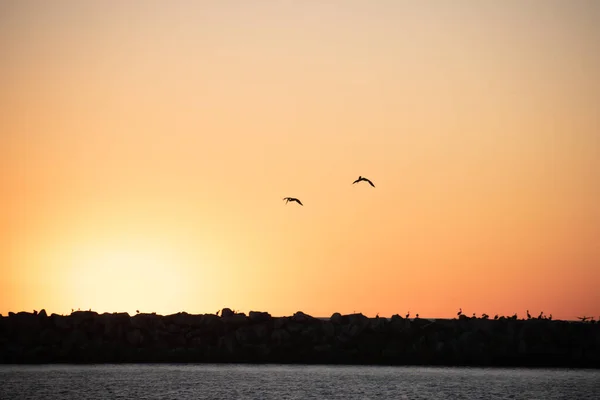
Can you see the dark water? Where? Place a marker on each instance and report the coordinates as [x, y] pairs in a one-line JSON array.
[[185, 381]]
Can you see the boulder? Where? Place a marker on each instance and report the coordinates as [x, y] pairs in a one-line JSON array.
[[280, 322], [135, 337], [358, 319], [336, 318], [328, 329], [259, 316], [235, 319], [61, 322], [24, 321], [211, 321], [227, 344], [147, 322], [246, 335], [280, 337], [226, 312], [301, 317], [378, 325], [81, 317], [49, 336], [185, 319]]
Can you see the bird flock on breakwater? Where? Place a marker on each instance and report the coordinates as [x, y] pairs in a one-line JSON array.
[[360, 179]]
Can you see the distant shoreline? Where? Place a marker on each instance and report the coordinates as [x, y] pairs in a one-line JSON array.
[[86, 337]]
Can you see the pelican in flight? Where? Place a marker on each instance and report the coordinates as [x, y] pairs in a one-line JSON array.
[[288, 199], [362, 178]]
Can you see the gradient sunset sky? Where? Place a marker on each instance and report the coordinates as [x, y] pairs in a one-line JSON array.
[[146, 147]]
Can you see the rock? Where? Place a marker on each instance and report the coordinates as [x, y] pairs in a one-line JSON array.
[[258, 316], [328, 329], [399, 325], [196, 342], [281, 322], [246, 335], [358, 319], [25, 321], [147, 322], [81, 317], [114, 324], [311, 334], [186, 320], [323, 348], [378, 325], [211, 321], [235, 319], [227, 344], [301, 317], [261, 331], [336, 318], [260, 351], [90, 337], [350, 332], [522, 347], [135, 337], [61, 322], [50, 336], [226, 312], [294, 327], [75, 340], [280, 337]]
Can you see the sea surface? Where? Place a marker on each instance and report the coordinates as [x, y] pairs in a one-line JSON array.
[[226, 381]]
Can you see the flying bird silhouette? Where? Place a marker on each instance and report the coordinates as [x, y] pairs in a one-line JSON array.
[[288, 199], [362, 178]]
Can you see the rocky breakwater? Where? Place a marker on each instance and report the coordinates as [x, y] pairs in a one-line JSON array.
[[89, 337]]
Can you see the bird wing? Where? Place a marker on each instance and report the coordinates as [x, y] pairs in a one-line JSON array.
[[299, 202], [370, 183], [358, 180]]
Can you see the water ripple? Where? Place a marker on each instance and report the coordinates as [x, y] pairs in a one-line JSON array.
[[283, 382]]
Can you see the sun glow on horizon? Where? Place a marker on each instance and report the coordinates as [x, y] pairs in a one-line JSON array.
[[127, 277]]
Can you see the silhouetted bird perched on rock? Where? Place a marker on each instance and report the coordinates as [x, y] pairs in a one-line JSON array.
[[459, 313], [407, 315], [362, 178], [288, 199]]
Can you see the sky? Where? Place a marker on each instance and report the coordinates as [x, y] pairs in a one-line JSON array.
[[146, 147]]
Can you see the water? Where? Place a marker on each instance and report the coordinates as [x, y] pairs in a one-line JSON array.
[[201, 381]]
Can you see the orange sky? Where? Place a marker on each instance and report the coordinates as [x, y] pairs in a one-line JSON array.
[[146, 146]]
